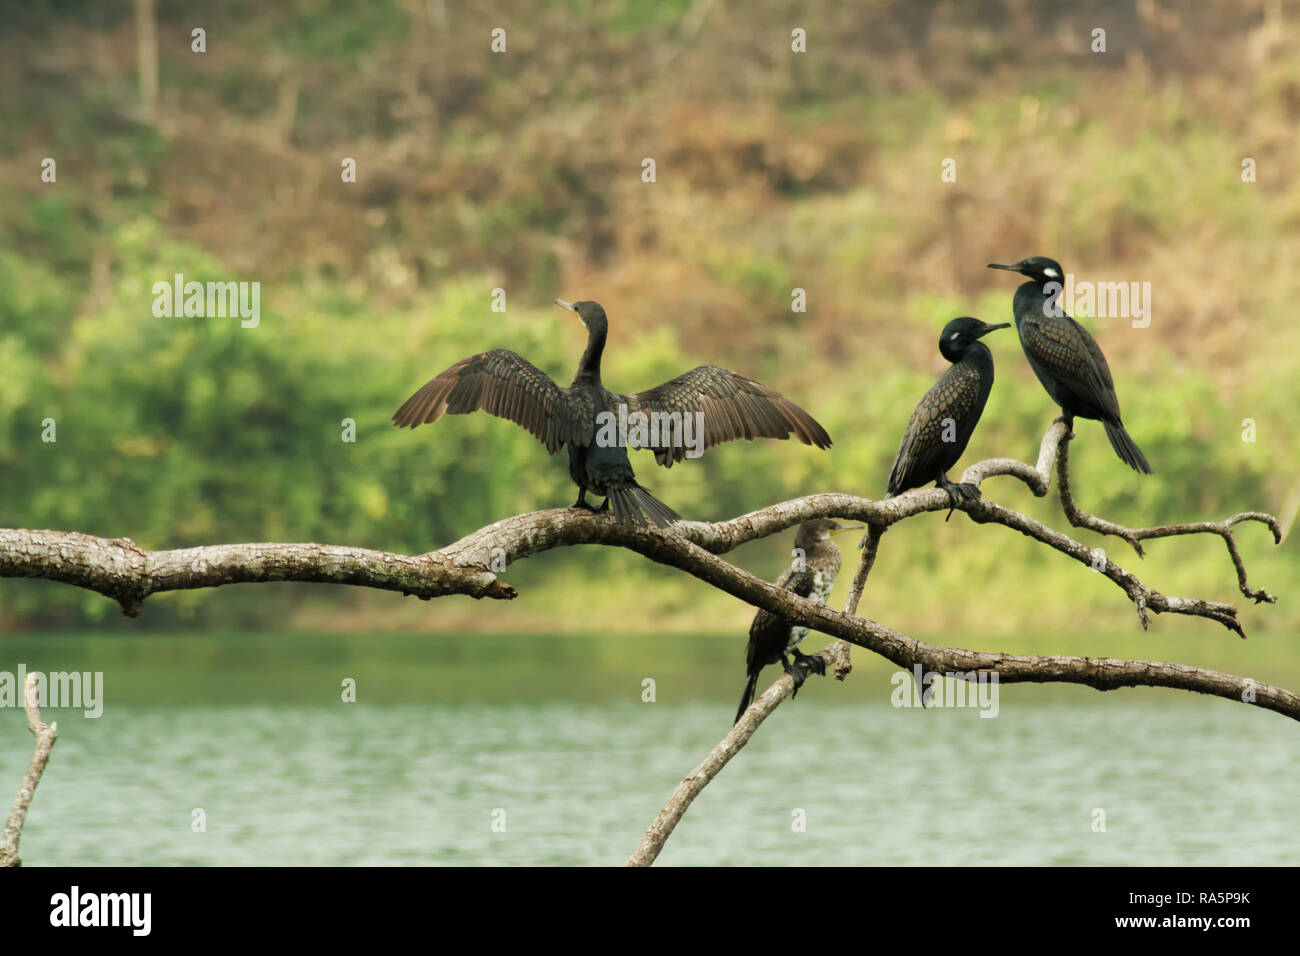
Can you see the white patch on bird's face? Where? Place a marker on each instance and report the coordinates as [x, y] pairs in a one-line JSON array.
[[1051, 273]]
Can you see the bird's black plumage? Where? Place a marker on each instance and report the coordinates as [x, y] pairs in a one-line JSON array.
[[504, 384], [941, 425], [774, 638], [1066, 358]]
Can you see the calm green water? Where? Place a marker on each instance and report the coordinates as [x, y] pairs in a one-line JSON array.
[[445, 733]]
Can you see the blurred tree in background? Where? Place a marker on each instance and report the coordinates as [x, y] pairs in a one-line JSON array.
[[522, 171]]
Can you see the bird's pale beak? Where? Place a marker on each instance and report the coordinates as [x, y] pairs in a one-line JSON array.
[[992, 328], [849, 527], [998, 265], [572, 308]]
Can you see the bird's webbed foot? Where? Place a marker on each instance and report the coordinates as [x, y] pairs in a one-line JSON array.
[[582, 503], [1068, 421], [804, 664], [958, 492], [604, 507]]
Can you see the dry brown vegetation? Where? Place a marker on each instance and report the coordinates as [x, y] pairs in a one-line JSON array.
[[774, 170]]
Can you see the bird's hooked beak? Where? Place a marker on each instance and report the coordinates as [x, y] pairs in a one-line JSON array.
[[992, 328], [848, 527], [1011, 268], [572, 308]]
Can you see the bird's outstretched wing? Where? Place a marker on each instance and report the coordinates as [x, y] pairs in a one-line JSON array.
[[1057, 346], [732, 407], [501, 383]]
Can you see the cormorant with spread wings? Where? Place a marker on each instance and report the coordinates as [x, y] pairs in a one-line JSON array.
[[705, 407]]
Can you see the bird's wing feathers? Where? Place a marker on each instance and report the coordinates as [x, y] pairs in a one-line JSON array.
[[922, 451], [1099, 360], [500, 383], [1056, 346], [732, 407]]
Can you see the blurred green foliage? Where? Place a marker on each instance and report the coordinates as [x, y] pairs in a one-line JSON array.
[[523, 172]]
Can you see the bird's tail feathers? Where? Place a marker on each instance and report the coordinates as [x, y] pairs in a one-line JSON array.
[[632, 505], [1126, 448], [746, 698]]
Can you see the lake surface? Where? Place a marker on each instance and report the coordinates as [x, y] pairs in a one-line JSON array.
[[441, 749]]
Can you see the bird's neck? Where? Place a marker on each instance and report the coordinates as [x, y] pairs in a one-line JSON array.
[[1031, 299], [589, 365], [824, 554], [1042, 293], [976, 354]]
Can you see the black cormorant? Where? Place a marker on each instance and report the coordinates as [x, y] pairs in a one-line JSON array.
[[1066, 358], [941, 425], [720, 405], [773, 638]]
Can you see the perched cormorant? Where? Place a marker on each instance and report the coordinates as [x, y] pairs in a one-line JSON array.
[[1066, 358], [773, 638], [710, 406], [941, 425]]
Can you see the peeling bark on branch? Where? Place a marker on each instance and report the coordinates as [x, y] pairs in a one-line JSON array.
[[118, 569]]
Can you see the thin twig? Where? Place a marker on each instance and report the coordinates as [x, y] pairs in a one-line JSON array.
[[1135, 536], [45, 735]]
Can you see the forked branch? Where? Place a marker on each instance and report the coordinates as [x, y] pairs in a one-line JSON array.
[[1135, 536], [122, 571], [1101, 673]]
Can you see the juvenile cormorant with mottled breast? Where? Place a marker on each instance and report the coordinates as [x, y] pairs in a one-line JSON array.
[[774, 638], [502, 383]]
